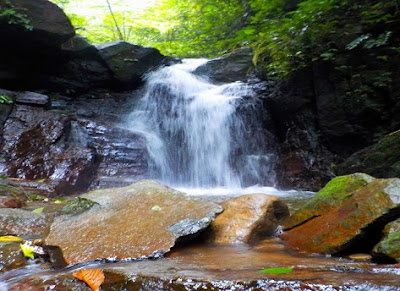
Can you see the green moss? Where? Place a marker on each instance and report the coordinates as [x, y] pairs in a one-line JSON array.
[[341, 187], [332, 195], [390, 245], [77, 206]]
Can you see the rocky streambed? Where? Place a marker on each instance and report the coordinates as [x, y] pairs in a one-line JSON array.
[[147, 236]]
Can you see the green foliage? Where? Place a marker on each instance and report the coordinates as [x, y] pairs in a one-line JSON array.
[[13, 15], [285, 35]]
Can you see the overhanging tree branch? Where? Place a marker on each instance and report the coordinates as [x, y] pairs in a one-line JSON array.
[[120, 35]]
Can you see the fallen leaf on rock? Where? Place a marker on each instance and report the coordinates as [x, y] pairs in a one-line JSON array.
[[27, 250], [10, 238], [93, 277], [276, 270], [38, 210]]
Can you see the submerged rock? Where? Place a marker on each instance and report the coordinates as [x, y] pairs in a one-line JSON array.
[[390, 244], [248, 219], [11, 256], [141, 220], [345, 216]]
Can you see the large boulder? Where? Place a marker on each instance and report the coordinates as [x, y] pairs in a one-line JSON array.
[[380, 160], [346, 216], [236, 66], [143, 219], [38, 24], [248, 219], [328, 198], [128, 62], [31, 39]]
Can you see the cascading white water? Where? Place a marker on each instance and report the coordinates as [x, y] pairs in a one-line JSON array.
[[190, 126]]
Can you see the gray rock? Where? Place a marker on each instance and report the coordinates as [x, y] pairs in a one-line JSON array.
[[21, 222], [230, 68], [32, 98], [129, 62]]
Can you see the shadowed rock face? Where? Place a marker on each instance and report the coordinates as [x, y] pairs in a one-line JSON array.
[[248, 219], [140, 220], [346, 218], [380, 160]]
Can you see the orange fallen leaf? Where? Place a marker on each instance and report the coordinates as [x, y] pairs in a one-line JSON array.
[[93, 277]]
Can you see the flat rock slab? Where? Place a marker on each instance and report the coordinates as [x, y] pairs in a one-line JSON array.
[[140, 220], [248, 219]]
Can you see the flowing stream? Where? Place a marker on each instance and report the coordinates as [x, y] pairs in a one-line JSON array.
[[197, 135]]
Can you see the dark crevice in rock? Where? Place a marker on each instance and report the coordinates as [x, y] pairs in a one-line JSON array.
[[369, 237], [303, 222]]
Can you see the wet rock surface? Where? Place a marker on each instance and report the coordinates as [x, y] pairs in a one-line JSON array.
[[22, 222], [207, 267], [11, 257], [72, 145], [233, 67], [248, 219], [352, 219], [328, 198], [140, 220]]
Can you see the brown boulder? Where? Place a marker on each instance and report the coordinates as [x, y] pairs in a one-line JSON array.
[[248, 219], [143, 219]]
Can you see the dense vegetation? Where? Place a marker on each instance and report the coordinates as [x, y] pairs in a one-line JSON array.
[[285, 35]]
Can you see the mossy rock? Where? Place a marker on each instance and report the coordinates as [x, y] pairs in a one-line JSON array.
[[329, 197], [390, 244], [77, 206], [353, 226], [381, 160]]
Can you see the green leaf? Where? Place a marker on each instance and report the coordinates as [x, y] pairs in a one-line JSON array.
[[27, 251], [38, 210], [4, 99], [276, 270], [41, 180], [60, 200]]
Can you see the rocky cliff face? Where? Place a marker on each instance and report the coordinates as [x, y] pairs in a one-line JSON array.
[[319, 121], [67, 136]]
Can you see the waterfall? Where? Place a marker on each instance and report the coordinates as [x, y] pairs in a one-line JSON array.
[[195, 136]]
